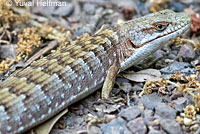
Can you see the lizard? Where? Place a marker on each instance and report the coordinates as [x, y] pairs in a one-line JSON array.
[[34, 94]]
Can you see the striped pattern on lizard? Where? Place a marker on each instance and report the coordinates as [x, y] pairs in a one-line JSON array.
[[35, 93]]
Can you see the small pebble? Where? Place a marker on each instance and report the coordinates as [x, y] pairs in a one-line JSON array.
[[165, 111], [171, 126], [187, 121], [116, 126], [137, 126], [151, 101], [194, 127], [130, 113]]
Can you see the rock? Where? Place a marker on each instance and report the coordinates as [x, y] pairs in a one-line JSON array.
[[148, 113], [189, 98], [180, 103], [94, 130], [126, 87], [150, 101], [151, 59], [187, 2], [153, 131], [172, 56], [176, 6], [130, 113], [73, 120], [116, 126], [89, 8], [127, 6], [137, 126], [64, 10], [59, 131], [161, 63], [143, 6], [175, 67], [137, 87], [194, 127], [165, 111], [170, 88], [176, 94], [7, 51], [120, 81], [187, 53], [171, 126], [187, 121]]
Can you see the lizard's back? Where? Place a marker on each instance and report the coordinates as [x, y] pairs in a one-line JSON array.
[[48, 85]]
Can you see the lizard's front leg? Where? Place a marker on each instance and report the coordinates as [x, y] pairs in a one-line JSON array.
[[110, 80]]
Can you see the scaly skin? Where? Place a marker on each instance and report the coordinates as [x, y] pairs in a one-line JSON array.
[[34, 94]]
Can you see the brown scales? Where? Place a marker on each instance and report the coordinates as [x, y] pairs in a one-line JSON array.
[[24, 80]]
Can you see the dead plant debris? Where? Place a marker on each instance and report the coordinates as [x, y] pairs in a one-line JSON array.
[[185, 84]]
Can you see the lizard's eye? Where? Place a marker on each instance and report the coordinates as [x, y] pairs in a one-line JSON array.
[[160, 26]]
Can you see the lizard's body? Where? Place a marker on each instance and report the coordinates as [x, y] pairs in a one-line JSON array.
[[34, 94]]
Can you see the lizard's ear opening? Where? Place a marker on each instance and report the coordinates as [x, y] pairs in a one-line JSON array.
[[160, 26]]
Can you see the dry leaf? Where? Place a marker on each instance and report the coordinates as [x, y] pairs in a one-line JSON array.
[[46, 127], [107, 109], [143, 75]]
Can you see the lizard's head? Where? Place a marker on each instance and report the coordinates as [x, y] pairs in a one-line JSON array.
[[166, 24], [146, 34]]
